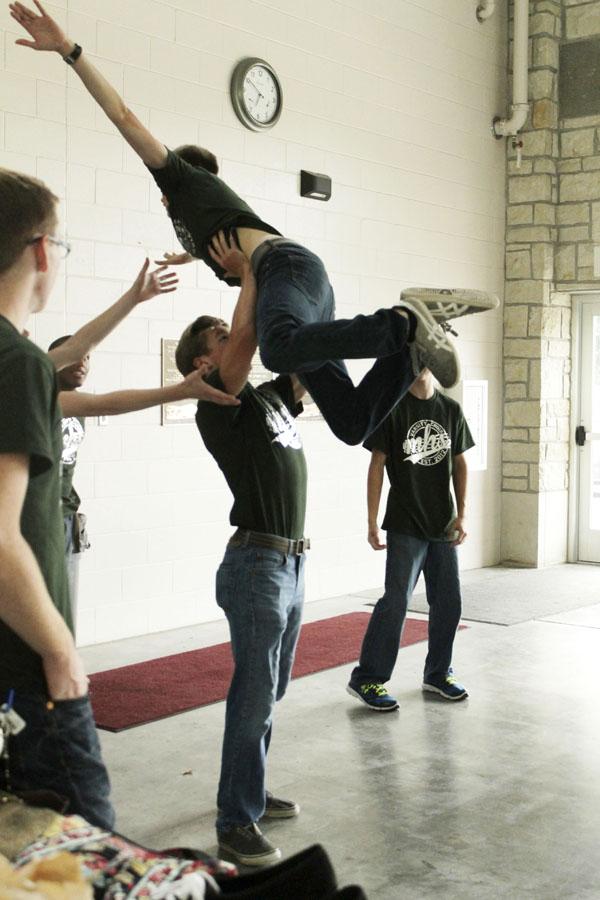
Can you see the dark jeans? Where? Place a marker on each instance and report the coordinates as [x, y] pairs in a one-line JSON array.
[[59, 751], [297, 333], [407, 556], [261, 592]]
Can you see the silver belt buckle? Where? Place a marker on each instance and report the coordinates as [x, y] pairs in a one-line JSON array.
[[300, 546]]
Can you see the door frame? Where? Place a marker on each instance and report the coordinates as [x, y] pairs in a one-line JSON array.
[[578, 301]]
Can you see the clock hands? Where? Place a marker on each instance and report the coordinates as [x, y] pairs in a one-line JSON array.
[[258, 91]]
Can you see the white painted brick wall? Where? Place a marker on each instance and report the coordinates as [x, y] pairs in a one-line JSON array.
[[393, 100]]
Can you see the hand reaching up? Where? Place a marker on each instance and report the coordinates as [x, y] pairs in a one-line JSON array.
[[150, 284], [46, 33], [174, 259]]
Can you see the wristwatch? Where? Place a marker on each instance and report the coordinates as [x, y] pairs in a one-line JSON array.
[[73, 56]]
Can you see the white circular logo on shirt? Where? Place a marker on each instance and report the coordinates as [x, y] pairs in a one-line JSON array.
[[73, 434], [427, 443]]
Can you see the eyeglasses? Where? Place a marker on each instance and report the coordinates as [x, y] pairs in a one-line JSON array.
[[65, 247]]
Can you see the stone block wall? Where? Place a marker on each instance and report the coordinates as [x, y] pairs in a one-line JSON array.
[[553, 222], [536, 316]]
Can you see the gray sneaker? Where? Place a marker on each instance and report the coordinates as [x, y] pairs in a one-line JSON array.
[[247, 845], [451, 303], [276, 808], [432, 348]]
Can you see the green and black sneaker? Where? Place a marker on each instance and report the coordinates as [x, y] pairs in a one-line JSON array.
[[374, 695]]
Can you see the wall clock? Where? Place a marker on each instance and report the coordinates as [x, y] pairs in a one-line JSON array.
[[256, 93]]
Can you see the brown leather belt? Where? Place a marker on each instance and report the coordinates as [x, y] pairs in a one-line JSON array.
[[242, 537]]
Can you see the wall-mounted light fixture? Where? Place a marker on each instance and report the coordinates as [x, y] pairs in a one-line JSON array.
[[314, 185]]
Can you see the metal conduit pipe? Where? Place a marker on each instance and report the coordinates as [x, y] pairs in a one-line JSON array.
[[519, 109], [485, 10]]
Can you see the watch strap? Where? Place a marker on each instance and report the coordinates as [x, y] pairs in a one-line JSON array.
[[73, 56]]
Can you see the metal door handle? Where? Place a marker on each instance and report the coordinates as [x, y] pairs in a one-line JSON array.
[[580, 435]]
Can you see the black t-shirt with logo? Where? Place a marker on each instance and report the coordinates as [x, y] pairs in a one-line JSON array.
[[259, 450], [420, 438], [30, 425], [200, 204], [73, 433]]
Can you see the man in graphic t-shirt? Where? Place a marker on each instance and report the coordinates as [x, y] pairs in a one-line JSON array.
[[76, 405], [422, 446], [260, 583], [73, 432]]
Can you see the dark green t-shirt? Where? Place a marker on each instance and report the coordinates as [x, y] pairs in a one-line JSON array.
[[420, 438], [30, 424], [73, 433], [200, 204], [259, 450]]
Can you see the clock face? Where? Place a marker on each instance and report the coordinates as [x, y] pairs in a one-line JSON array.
[[256, 94], [261, 94]]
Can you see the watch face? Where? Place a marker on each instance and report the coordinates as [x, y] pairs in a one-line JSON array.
[[256, 93]]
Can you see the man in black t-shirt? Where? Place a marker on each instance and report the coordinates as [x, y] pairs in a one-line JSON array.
[[73, 432], [42, 680], [296, 328], [260, 583], [77, 405], [422, 446], [41, 675]]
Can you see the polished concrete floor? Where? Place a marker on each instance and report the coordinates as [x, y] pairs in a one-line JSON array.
[[494, 797]]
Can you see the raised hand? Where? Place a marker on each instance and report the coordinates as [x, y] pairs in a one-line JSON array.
[[228, 256], [150, 284], [174, 259], [46, 33]]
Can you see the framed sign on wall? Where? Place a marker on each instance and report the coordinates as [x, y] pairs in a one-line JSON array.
[[179, 411]]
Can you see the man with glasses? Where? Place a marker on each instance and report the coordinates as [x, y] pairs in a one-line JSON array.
[[42, 681], [64, 246]]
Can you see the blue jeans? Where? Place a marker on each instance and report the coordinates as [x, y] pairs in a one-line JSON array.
[[261, 592], [407, 556], [297, 333], [59, 751]]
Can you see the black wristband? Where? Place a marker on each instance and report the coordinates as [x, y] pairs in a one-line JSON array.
[[73, 56]]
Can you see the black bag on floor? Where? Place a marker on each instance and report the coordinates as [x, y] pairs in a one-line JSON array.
[[307, 875]]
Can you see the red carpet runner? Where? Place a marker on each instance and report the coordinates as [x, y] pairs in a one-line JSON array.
[[134, 695]]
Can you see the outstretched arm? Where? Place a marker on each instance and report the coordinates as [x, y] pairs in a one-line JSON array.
[[374, 486], [76, 403], [48, 35], [146, 285]]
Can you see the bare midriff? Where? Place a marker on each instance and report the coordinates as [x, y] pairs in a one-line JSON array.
[[251, 238]]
